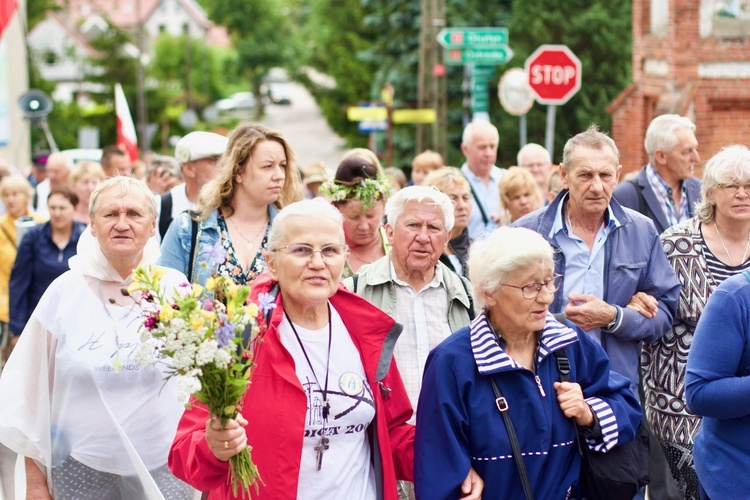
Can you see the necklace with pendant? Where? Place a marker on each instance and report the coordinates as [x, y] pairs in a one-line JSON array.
[[249, 242]]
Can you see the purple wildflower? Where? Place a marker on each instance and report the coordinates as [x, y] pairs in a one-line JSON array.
[[216, 253], [266, 302], [224, 332], [208, 305]]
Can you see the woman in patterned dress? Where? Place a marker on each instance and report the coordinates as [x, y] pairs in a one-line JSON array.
[[256, 177], [704, 251]]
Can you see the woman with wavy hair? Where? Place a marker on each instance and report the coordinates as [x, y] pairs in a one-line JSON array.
[[256, 177]]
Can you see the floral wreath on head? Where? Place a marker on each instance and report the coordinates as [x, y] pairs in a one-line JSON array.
[[366, 190]]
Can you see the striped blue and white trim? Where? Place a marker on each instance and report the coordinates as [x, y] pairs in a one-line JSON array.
[[491, 358], [608, 424]]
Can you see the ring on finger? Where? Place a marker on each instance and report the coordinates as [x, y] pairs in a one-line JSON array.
[[226, 445]]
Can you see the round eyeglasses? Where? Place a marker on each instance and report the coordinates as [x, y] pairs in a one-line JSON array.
[[327, 252], [532, 290]]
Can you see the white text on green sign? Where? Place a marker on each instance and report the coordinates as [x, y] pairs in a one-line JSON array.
[[497, 55], [473, 37]]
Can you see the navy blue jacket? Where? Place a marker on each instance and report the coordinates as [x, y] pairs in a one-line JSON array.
[[634, 262], [38, 263], [458, 424], [628, 194]]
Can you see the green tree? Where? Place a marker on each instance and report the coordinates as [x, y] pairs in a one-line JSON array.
[[599, 33], [262, 36], [336, 36]]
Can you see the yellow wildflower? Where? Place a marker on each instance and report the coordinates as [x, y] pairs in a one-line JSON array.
[[197, 290], [166, 312]]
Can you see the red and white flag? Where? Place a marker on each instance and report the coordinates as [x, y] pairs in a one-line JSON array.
[[7, 8], [126, 138]]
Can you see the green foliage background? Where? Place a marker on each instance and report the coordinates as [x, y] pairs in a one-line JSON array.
[[359, 45]]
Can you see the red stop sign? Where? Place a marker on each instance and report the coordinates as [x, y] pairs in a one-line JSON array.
[[554, 74]]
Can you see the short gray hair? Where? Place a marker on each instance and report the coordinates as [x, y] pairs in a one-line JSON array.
[[421, 194], [730, 164], [661, 133], [317, 208], [125, 184], [592, 138], [478, 126], [531, 148], [506, 250]]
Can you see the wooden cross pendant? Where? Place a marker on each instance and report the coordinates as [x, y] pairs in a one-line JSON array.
[[321, 448]]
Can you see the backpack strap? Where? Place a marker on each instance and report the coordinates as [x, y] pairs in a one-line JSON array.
[[471, 300], [165, 217], [485, 219]]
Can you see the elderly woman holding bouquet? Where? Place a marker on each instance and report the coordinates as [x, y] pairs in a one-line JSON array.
[[326, 412], [255, 178], [89, 421]]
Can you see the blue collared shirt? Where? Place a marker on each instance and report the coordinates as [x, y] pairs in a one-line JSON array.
[[584, 268], [664, 194], [490, 199]]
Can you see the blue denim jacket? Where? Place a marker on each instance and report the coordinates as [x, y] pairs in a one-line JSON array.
[[175, 248], [634, 262]]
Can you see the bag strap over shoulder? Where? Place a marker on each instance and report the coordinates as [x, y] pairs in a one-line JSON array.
[[502, 406], [194, 230]]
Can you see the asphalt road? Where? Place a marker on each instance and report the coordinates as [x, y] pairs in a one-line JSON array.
[[303, 125]]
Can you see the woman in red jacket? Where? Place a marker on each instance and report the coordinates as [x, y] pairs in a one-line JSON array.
[[326, 411]]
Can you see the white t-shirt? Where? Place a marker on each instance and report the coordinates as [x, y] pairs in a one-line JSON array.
[[346, 471]]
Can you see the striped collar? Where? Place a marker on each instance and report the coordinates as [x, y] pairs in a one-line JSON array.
[[491, 358]]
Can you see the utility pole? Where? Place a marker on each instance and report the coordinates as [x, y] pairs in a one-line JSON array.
[[432, 87], [140, 84]]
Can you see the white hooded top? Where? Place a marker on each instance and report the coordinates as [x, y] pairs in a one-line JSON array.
[[60, 393]]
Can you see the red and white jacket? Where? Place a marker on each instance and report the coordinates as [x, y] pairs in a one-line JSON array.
[[275, 405]]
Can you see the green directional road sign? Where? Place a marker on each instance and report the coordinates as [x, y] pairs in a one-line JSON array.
[[473, 37], [482, 72], [497, 55], [480, 87], [480, 103]]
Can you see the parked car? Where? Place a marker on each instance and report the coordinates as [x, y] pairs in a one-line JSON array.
[[237, 102], [77, 155]]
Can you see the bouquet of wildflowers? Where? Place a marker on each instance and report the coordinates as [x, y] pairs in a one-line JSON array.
[[206, 336]]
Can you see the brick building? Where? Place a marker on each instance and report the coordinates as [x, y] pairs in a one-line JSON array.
[[690, 57]]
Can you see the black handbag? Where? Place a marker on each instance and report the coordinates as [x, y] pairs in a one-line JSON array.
[[617, 474]]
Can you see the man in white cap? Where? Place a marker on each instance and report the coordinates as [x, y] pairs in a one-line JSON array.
[[198, 154]]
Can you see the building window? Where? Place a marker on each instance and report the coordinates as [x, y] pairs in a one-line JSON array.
[[659, 17], [730, 18]]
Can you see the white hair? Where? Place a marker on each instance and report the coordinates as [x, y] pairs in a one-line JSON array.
[[317, 208], [532, 148], [506, 250], [478, 126], [731, 164], [662, 133], [394, 208], [125, 184]]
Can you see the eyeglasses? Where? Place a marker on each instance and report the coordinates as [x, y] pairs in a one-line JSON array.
[[328, 252], [733, 188], [532, 290]]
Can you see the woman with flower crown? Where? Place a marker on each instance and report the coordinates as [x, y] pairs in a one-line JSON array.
[[90, 422], [326, 413], [256, 177], [359, 190]]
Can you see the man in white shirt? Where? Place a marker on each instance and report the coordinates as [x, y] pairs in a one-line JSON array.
[[411, 284], [479, 146], [198, 154], [58, 171]]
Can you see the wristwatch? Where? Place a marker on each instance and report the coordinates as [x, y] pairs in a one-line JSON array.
[[614, 320]]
